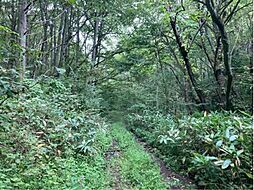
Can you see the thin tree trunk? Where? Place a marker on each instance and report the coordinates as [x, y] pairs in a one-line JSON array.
[[78, 37], [68, 33], [185, 57], [62, 50], [95, 36], [44, 45], [55, 49], [23, 36], [218, 72], [51, 36], [59, 39]]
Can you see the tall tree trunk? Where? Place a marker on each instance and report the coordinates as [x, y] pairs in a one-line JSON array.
[[55, 49], [185, 85], [218, 71], [68, 34], [51, 44], [12, 61], [70, 23], [64, 33], [58, 43], [95, 41], [224, 39], [23, 35], [77, 37], [44, 18]]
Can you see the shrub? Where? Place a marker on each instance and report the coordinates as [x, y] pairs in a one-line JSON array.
[[45, 135], [215, 149]]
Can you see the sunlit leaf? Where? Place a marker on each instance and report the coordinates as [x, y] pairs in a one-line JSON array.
[[225, 164]]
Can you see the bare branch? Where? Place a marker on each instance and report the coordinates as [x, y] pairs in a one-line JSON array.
[[222, 10], [232, 12], [200, 27]]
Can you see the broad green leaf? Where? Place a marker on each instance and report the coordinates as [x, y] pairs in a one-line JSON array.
[[239, 152], [61, 71], [225, 164], [233, 137], [218, 163], [219, 143]]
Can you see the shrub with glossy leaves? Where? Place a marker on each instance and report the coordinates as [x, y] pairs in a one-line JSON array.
[[215, 148]]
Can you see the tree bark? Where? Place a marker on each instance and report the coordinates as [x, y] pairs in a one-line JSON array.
[[78, 37], [58, 43], [23, 36], [95, 37], [185, 57], [63, 44], [55, 49], [224, 39], [44, 18]]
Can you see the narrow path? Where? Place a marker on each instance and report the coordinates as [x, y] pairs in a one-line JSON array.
[[133, 166], [180, 182], [113, 153]]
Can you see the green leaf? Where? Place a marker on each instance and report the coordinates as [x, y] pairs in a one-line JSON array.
[[225, 164], [61, 71], [249, 175], [239, 152], [227, 134], [211, 158], [219, 143], [218, 163], [233, 137], [72, 1]]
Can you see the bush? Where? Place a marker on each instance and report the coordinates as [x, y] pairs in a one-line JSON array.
[[48, 140], [215, 149]]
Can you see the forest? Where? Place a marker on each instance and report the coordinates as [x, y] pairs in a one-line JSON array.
[[126, 94]]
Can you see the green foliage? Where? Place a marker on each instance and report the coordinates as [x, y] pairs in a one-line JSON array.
[[9, 48], [9, 54], [217, 145], [48, 140], [126, 57]]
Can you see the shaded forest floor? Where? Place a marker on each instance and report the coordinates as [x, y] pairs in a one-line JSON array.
[[54, 139], [132, 165]]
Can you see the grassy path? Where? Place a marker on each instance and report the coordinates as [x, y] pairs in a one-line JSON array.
[[132, 167]]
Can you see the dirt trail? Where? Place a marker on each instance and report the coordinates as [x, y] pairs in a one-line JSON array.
[[113, 168], [164, 170], [115, 154]]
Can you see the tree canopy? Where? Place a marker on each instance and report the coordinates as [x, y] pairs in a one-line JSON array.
[[185, 64]]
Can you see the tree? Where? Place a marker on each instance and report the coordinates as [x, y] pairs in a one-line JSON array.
[[23, 36]]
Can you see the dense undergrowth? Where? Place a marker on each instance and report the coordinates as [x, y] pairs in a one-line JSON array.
[[215, 149], [51, 139]]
